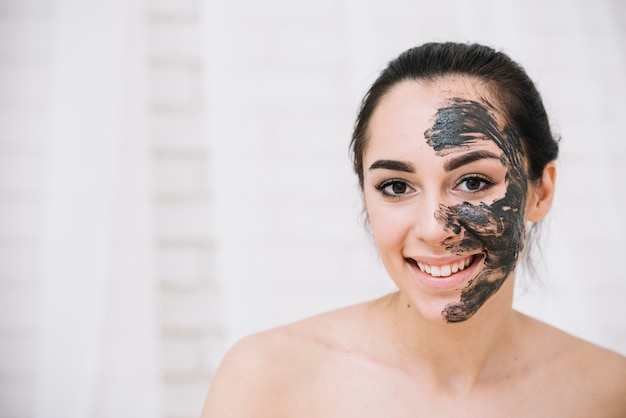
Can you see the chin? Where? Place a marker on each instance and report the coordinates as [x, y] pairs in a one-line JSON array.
[[430, 309]]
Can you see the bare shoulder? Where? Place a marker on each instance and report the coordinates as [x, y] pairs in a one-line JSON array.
[[593, 376], [241, 381], [260, 373], [603, 377]]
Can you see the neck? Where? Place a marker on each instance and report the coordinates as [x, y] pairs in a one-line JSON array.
[[463, 355]]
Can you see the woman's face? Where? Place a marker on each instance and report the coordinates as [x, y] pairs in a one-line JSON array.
[[445, 192]]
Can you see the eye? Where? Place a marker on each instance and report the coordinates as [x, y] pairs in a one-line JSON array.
[[394, 188], [473, 184]]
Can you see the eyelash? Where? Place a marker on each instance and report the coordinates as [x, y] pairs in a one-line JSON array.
[[382, 186], [390, 182]]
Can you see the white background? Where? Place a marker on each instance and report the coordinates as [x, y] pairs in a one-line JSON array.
[[292, 240], [174, 175]]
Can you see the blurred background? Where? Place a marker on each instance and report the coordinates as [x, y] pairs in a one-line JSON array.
[[174, 174]]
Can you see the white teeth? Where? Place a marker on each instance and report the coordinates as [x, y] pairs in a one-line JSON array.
[[445, 270]]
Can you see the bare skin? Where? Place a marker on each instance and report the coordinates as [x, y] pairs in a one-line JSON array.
[[361, 361], [447, 344]]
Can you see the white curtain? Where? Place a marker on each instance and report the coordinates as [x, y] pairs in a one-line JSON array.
[[98, 352]]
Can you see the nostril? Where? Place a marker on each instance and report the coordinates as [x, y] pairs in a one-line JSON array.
[[458, 233]]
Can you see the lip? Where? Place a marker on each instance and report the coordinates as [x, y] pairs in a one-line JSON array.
[[455, 281]]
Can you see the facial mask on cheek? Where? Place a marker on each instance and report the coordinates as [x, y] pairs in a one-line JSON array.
[[496, 230]]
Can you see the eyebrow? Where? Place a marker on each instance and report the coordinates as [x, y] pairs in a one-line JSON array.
[[393, 165], [468, 158]]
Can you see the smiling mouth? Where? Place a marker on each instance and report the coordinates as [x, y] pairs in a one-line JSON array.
[[446, 269]]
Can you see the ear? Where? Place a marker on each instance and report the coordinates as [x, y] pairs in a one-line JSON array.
[[541, 194]]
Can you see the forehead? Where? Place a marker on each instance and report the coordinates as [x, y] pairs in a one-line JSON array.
[[411, 109]]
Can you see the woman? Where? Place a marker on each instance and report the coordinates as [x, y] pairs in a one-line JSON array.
[[455, 156]]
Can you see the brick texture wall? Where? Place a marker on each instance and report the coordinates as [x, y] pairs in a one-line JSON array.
[[257, 214], [188, 289]]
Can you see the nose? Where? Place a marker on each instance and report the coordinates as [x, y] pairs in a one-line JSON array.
[[434, 225]]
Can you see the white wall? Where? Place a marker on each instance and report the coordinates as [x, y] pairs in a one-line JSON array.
[[286, 82], [211, 194]]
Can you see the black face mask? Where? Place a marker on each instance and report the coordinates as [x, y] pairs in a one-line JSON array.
[[497, 230]]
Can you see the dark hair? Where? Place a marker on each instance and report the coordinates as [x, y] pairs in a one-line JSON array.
[[506, 80]]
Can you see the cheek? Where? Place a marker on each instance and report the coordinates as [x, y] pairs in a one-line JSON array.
[[388, 227], [476, 220], [497, 229]]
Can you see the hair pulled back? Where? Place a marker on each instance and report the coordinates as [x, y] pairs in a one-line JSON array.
[[506, 80]]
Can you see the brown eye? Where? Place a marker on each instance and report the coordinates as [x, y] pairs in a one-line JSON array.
[[395, 188], [398, 188], [473, 184]]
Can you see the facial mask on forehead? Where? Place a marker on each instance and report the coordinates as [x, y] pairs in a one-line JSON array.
[[496, 230]]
